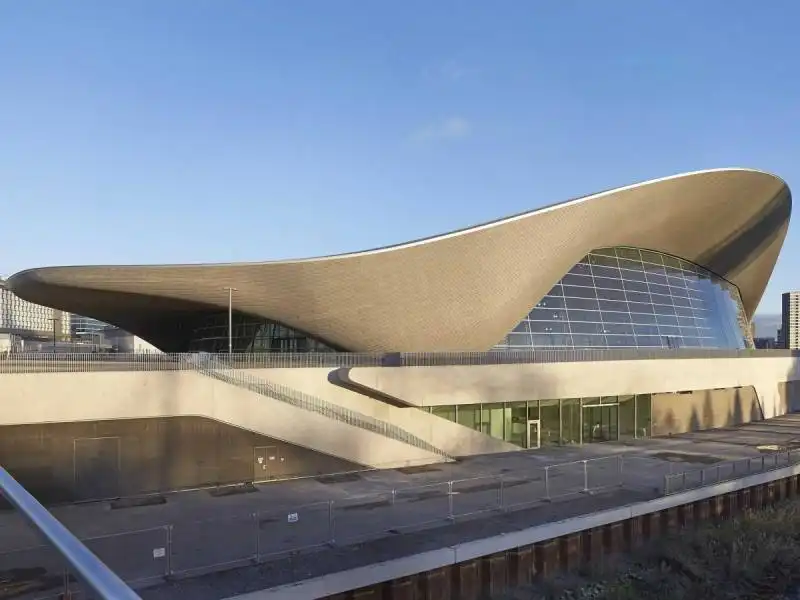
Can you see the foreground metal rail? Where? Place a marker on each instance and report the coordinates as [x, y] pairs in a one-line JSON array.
[[85, 565], [48, 362]]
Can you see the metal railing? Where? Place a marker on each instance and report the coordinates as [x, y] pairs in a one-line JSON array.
[[212, 367], [192, 547], [728, 471], [101, 580], [45, 362]]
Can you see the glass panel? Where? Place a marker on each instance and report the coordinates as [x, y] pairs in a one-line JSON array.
[[647, 283], [571, 421], [533, 410], [517, 423], [493, 420], [643, 415], [469, 415], [550, 416], [627, 417], [446, 412]]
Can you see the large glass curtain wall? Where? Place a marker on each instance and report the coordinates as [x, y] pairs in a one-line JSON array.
[[551, 422], [632, 298], [250, 334]]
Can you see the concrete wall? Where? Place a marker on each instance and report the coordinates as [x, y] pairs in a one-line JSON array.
[[432, 386], [69, 397], [680, 412], [90, 460], [452, 438]]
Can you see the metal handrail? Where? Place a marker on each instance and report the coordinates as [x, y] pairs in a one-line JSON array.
[[89, 569], [45, 362], [213, 367]]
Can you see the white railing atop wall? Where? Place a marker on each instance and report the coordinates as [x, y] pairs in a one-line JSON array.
[[47, 362]]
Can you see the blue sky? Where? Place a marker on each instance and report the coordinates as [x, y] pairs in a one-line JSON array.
[[196, 131]]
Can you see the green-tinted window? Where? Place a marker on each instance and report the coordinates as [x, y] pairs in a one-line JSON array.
[[517, 423], [643, 415], [627, 417], [469, 415], [550, 416], [492, 420], [571, 421], [446, 412]]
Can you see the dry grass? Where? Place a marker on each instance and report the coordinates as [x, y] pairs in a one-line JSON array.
[[751, 557]]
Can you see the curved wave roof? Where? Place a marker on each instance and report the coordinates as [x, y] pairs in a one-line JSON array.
[[458, 291]]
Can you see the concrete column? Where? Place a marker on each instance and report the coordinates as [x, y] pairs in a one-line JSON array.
[[570, 551], [402, 589], [436, 585], [613, 538], [592, 546], [545, 557], [780, 490], [633, 532], [520, 566], [791, 486], [466, 580], [494, 573]]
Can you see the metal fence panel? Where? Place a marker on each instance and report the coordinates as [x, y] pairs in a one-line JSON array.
[[565, 479], [204, 546], [137, 557], [363, 517], [476, 495], [604, 473], [523, 490], [417, 506], [293, 529]]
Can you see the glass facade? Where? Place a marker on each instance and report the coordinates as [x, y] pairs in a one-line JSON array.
[[250, 334], [534, 423], [633, 298]]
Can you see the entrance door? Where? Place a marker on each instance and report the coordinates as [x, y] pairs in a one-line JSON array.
[[534, 435], [266, 463]]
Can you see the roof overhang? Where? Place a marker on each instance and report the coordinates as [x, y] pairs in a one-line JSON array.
[[458, 291]]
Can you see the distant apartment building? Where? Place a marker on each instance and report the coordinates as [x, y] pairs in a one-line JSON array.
[[790, 321], [765, 343], [29, 321]]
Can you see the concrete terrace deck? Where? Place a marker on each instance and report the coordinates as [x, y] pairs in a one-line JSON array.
[[368, 526]]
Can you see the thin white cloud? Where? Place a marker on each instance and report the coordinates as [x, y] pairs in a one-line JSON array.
[[452, 128], [449, 71]]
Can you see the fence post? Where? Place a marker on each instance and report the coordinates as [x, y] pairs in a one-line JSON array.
[[257, 529], [169, 550], [666, 484], [501, 495], [331, 523], [683, 481], [621, 470], [718, 479], [702, 476], [394, 496], [547, 484], [585, 477], [450, 516]]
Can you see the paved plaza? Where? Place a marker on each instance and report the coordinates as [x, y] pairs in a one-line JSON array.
[[307, 527]]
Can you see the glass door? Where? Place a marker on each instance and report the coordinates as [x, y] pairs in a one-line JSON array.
[[534, 436], [600, 421]]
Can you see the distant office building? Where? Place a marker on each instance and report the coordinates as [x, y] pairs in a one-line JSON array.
[[790, 321], [765, 343], [29, 321]]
